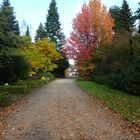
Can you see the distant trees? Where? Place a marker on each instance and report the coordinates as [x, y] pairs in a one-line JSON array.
[[40, 33], [27, 33]]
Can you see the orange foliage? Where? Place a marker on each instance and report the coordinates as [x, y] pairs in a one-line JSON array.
[[101, 22], [92, 27]]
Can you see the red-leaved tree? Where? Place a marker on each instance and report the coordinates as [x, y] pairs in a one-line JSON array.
[[91, 27]]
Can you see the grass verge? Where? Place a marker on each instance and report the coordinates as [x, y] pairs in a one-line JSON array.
[[126, 104], [12, 93]]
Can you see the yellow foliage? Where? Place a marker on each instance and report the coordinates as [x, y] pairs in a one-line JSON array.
[[42, 56], [45, 78]]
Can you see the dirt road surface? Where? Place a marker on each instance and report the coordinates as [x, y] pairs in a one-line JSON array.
[[62, 111]]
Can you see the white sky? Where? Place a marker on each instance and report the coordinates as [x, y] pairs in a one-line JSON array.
[[34, 11]]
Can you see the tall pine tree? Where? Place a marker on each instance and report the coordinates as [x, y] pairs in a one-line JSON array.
[[127, 19], [53, 26], [27, 32], [115, 13], [8, 12], [40, 33], [12, 65], [55, 34]]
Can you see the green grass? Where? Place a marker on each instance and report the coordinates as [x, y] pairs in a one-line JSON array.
[[12, 93], [126, 104]]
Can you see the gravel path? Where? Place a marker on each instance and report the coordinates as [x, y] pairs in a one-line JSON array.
[[62, 111]]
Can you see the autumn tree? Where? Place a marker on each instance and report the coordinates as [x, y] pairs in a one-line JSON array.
[[42, 56], [102, 22], [92, 27]]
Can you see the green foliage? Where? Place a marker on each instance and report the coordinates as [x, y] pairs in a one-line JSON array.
[[27, 32], [14, 89], [5, 99], [130, 81], [55, 34], [117, 65], [127, 19], [47, 75], [30, 84], [26, 41], [53, 26], [11, 93], [123, 17], [7, 38], [12, 66], [8, 13], [115, 13], [40, 33], [62, 64], [126, 104]]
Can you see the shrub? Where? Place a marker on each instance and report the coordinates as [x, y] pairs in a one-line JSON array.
[[131, 80], [30, 83], [46, 75], [5, 99], [118, 65], [12, 66], [100, 79], [14, 89]]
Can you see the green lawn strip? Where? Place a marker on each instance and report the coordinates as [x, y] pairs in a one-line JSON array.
[[126, 104], [11, 93]]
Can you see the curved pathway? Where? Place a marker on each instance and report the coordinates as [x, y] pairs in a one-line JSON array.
[[61, 110]]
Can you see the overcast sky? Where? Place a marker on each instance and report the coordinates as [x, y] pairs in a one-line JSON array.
[[32, 12]]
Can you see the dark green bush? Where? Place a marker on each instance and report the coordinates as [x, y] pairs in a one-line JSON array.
[[128, 80], [118, 64], [131, 80], [21, 67], [49, 74], [100, 79], [114, 80], [12, 66]]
